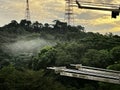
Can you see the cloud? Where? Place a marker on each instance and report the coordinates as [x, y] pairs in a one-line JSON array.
[[49, 10]]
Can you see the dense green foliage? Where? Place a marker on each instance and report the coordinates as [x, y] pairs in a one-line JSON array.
[[73, 45]]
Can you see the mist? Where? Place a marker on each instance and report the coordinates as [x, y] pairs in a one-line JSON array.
[[30, 46]]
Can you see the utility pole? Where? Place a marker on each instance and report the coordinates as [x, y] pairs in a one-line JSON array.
[[69, 15], [27, 11]]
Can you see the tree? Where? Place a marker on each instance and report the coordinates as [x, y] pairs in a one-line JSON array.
[[80, 28], [97, 58], [13, 23], [25, 23], [63, 58], [45, 58], [60, 25], [115, 52], [46, 25], [114, 67], [37, 25]]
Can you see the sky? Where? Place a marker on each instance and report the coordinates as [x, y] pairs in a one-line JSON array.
[[49, 10]]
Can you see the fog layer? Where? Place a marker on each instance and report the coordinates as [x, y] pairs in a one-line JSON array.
[[27, 45]]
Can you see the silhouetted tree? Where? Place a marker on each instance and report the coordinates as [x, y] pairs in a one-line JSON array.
[[60, 25], [13, 23], [25, 23]]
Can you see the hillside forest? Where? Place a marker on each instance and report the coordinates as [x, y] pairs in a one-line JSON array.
[[28, 48]]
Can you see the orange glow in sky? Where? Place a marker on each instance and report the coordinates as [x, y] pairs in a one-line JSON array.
[[49, 10]]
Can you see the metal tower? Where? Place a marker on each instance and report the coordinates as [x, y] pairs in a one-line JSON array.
[[27, 11], [69, 15]]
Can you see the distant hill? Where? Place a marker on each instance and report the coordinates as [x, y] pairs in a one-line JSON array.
[[27, 48]]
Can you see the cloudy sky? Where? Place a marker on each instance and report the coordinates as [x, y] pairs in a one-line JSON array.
[[49, 10]]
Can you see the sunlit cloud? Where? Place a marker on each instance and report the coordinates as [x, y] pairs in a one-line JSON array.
[[49, 10]]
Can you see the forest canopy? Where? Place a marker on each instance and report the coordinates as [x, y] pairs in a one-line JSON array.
[[59, 45]]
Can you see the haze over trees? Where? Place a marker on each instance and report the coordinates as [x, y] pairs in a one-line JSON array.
[[58, 44]]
